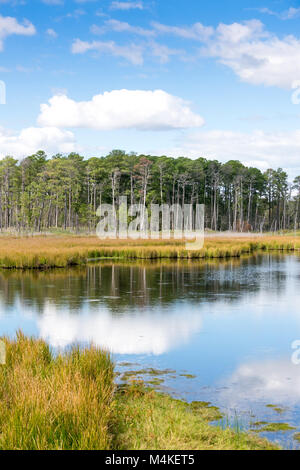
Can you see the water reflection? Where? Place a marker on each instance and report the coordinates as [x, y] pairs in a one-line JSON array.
[[147, 333], [130, 308], [231, 323], [122, 287], [270, 381]]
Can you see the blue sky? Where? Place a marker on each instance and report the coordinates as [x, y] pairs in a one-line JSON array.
[[217, 79]]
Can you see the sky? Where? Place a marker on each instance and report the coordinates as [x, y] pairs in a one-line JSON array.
[[217, 79]]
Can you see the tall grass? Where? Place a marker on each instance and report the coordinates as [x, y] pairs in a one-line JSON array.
[[70, 402], [47, 402], [50, 252]]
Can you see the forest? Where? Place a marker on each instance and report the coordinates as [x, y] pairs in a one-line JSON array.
[[63, 192]]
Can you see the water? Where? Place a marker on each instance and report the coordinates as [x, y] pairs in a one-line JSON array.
[[229, 325]]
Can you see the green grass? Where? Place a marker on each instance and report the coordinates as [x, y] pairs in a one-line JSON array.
[[146, 419], [70, 401]]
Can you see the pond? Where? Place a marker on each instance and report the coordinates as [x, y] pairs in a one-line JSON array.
[[220, 331]]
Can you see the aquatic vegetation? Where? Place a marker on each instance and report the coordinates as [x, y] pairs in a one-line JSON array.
[[188, 376], [273, 427], [157, 372], [297, 436], [127, 364], [259, 423], [276, 408], [155, 381], [132, 374]]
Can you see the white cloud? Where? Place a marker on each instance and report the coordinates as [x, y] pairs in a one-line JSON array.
[[163, 52], [127, 5], [289, 14], [196, 31], [258, 148], [121, 109], [121, 27], [50, 32], [256, 56], [238, 32], [132, 52], [31, 139], [10, 26]]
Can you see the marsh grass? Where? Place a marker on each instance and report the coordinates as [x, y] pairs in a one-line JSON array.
[[62, 402], [69, 401], [54, 251], [146, 419]]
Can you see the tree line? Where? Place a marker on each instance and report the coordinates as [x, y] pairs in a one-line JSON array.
[[64, 192]]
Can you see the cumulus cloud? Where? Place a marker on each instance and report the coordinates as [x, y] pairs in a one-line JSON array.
[[31, 139], [257, 148], [255, 55], [10, 26], [121, 109]]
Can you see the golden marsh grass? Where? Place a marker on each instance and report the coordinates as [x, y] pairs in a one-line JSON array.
[[63, 251]]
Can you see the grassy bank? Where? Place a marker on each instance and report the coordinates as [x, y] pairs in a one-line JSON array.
[[48, 252], [71, 402], [64, 402]]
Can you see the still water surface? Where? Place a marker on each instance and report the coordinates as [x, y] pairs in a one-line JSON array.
[[224, 330]]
